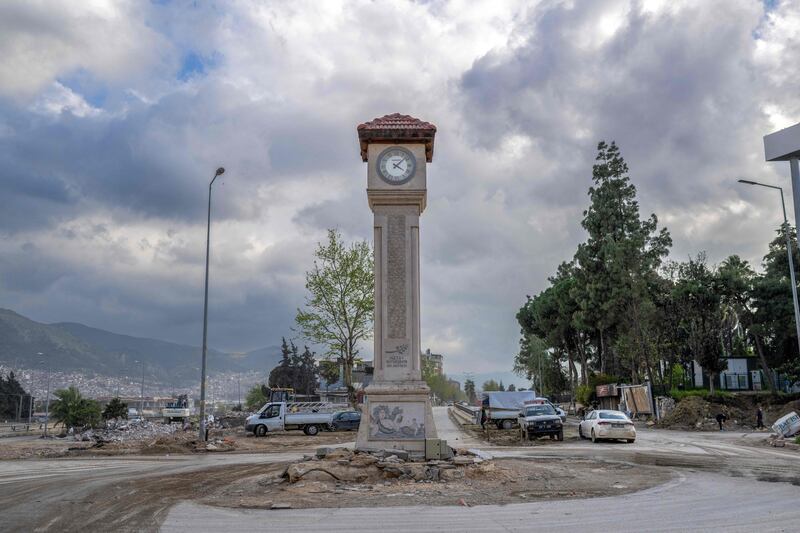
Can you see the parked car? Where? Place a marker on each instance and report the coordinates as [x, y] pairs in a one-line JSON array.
[[559, 411], [540, 420], [606, 424], [346, 421]]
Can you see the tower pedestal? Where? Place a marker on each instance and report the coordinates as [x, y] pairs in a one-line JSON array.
[[396, 415]]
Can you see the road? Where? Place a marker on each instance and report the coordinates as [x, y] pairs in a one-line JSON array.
[[720, 483]]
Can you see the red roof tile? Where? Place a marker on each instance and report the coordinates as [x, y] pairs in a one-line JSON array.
[[396, 128]]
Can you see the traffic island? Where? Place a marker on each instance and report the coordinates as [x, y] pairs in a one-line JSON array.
[[346, 478]]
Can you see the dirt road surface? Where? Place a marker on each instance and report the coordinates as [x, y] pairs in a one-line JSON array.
[[719, 481]]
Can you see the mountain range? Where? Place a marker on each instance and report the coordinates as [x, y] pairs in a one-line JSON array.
[[69, 346]]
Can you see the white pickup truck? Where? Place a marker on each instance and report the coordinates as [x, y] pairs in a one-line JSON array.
[[279, 416]]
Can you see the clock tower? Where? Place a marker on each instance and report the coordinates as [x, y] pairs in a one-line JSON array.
[[397, 411]]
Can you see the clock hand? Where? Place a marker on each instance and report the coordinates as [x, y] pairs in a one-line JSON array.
[[397, 165]]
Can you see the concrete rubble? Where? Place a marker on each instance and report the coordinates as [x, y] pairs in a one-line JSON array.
[[343, 465], [127, 431]]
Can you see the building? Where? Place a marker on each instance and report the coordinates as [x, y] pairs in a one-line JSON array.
[[151, 405], [742, 374], [436, 360]]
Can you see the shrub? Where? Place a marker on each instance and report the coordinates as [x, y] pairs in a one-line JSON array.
[[583, 394], [679, 395], [116, 408], [73, 410]]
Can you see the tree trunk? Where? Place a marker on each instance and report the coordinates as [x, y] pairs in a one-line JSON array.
[[347, 378], [602, 354], [584, 364], [711, 377], [763, 360]]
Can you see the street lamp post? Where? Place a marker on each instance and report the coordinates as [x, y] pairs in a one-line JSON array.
[[47, 399], [30, 405], [218, 173], [789, 252], [141, 393]]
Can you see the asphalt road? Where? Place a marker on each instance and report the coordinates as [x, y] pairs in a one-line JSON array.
[[721, 483]]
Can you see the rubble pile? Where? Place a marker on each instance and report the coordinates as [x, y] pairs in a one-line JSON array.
[[135, 430], [346, 466], [696, 413]]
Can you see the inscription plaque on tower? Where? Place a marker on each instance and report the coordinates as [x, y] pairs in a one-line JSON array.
[[397, 411]]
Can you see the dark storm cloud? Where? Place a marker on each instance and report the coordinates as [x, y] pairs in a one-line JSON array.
[[107, 147]]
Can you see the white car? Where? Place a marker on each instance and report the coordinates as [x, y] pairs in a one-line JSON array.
[[606, 424]]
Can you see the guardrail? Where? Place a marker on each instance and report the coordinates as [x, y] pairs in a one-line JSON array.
[[467, 414]]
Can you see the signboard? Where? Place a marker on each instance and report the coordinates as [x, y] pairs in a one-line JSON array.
[[604, 391]]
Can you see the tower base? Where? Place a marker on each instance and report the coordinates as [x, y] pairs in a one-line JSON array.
[[396, 415]]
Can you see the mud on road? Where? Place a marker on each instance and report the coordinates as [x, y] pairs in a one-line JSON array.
[[233, 440], [141, 504], [499, 481]]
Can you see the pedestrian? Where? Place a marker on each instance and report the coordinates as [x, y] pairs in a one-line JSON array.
[[759, 418], [721, 418], [483, 418]]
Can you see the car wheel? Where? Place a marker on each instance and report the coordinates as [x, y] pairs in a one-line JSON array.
[[594, 438], [507, 424], [260, 430], [631, 441], [560, 436], [311, 430]]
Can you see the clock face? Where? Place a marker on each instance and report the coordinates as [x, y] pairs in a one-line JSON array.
[[396, 165]]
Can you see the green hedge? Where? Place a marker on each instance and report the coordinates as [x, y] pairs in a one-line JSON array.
[[678, 394]]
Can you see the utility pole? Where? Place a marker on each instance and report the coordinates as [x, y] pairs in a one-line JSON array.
[[47, 400], [218, 173], [30, 395], [141, 393], [239, 391]]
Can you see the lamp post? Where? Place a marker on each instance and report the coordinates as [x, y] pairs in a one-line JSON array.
[[789, 253], [141, 393], [218, 173], [30, 405], [47, 399]]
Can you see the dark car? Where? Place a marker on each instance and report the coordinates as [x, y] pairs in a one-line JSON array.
[[346, 421]]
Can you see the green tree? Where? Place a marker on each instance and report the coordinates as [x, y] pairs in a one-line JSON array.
[[698, 299], [13, 398], [772, 321], [73, 410], [622, 250], [115, 409], [512, 388], [339, 307], [490, 385], [256, 397], [329, 370], [469, 391], [284, 376]]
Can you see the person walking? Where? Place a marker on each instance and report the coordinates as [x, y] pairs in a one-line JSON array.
[[759, 418], [721, 418]]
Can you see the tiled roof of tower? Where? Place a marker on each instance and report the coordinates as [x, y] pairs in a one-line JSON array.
[[396, 128]]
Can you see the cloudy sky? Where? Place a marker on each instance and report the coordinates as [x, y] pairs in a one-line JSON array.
[[114, 115]]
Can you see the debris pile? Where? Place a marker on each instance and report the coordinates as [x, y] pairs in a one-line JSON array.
[[135, 430], [697, 413], [346, 466]]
